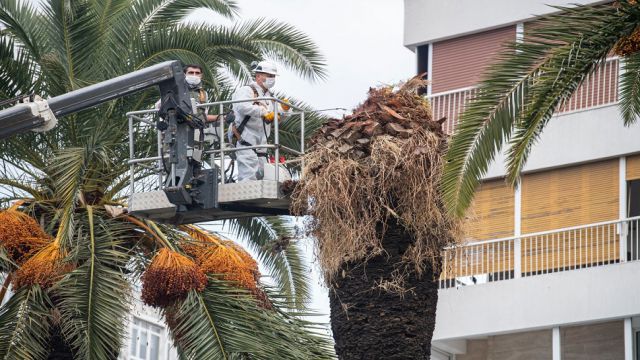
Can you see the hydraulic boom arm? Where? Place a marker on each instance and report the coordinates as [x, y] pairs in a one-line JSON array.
[[40, 115]]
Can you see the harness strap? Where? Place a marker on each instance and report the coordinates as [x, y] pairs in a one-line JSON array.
[[259, 154]]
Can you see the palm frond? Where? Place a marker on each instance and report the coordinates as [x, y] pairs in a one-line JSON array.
[[154, 13], [271, 239], [25, 324], [630, 89], [22, 22], [6, 265], [17, 70], [73, 39], [288, 45], [94, 298], [224, 323], [521, 92]]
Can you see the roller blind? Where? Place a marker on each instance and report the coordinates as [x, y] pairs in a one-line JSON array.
[[460, 62]]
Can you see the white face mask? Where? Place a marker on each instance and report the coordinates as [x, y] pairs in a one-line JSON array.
[[269, 82], [193, 80]]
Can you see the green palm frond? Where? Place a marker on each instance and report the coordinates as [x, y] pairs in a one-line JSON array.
[[173, 12], [23, 25], [25, 324], [225, 323], [72, 37], [17, 70], [630, 89], [290, 128], [151, 13], [272, 240], [286, 44], [6, 265], [94, 298], [69, 172], [519, 94]]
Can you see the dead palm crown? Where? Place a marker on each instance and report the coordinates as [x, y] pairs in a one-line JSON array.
[[371, 186], [72, 256]]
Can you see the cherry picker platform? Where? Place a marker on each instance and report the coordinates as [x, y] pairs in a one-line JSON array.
[[225, 199], [185, 182]]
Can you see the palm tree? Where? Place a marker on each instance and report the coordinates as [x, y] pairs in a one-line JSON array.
[[71, 256], [371, 188], [531, 80]]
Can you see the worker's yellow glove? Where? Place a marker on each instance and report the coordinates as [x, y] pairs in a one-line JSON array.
[[286, 106], [268, 117]]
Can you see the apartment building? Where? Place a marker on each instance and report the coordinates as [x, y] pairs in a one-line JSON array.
[[549, 270]]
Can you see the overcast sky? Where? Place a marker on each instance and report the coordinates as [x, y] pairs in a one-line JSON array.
[[362, 43]]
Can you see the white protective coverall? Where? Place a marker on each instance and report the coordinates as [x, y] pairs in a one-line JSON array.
[[256, 131]]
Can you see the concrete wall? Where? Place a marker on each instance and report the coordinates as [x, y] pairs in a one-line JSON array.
[[601, 341], [476, 350], [531, 345], [432, 20], [578, 137], [593, 342], [539, 302]]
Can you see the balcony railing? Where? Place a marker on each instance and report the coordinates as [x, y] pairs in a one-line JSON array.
[[541, 253], [600, 88]]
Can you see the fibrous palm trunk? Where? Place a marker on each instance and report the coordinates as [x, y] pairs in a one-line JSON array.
[[59, 349], [372, 323]]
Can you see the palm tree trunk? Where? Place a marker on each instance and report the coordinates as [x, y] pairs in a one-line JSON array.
[[371, 323], [59, 349]]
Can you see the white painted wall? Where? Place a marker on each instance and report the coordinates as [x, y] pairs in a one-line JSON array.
[[544, 301], [431, 20], [576, 138]]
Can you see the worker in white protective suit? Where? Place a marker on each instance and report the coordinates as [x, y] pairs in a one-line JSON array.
[[253, 120]]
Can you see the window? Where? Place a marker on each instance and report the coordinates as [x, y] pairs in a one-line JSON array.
[[145, 340], [637, 352], [423, 63]]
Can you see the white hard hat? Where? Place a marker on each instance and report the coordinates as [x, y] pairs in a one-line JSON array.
[[266, 67]]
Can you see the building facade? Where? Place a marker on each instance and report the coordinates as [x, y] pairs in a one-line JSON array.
[[548, 270], [147, 336]]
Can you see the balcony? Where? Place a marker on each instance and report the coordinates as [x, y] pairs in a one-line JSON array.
[[538, 281], [541, 253], [600, 88]]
